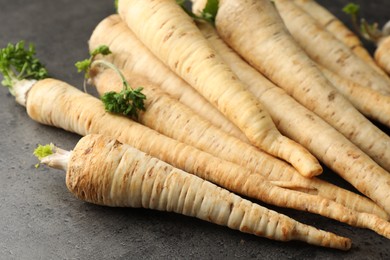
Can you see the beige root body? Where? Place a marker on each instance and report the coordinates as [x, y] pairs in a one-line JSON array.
[[173, 37], [106, 172], [262, 47], [85, 115], [128, 53]]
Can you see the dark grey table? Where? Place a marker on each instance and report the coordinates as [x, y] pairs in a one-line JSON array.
[[40, 219]]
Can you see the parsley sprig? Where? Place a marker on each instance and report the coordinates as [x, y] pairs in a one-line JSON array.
[[129, 101], [18, 62]]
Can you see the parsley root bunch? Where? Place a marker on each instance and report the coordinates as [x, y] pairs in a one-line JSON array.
[[264, 47], [168, 119], [106, 172], [49, 99], [293, 119], [56, 103]]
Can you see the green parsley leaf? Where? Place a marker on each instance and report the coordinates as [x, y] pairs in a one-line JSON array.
[[85, 65], [127, 102], [102, 49], [18, 62]]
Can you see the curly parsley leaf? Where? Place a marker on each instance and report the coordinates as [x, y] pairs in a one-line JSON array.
[[127, 102], [18, 62], [85, 65]]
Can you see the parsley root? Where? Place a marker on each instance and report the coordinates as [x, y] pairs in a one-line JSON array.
[[56, 103], [103, 171]]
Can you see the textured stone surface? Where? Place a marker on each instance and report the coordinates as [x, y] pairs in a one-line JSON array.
[[40, 219]]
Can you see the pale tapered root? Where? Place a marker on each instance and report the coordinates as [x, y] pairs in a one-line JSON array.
[[122, 176]]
